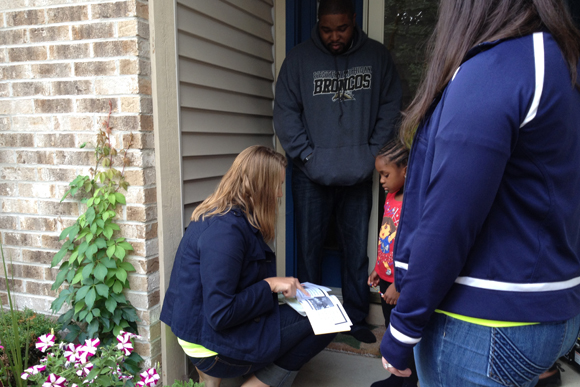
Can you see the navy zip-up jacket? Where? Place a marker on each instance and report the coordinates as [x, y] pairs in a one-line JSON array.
[[337, 109], [490, 225], [217, 297]]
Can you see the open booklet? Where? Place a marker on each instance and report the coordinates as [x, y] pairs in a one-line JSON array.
[[324, 311]]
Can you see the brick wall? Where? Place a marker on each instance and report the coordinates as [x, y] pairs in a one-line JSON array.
[[61, 62]]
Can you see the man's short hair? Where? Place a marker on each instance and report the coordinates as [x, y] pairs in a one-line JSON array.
[[336, 7]]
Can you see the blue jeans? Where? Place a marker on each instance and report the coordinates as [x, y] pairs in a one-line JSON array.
[[457, 353], [298, 345], [313, 206]]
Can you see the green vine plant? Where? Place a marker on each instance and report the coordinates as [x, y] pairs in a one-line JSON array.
[[92, 255]]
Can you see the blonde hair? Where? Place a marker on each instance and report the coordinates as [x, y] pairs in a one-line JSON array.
[[251, 184]]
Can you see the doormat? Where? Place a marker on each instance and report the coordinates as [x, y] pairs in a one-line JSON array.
[[348, 344]]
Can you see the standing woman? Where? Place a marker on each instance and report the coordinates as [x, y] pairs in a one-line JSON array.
[[487, 253], [222, 298]]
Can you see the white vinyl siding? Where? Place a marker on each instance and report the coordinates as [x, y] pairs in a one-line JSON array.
[[225, 61]]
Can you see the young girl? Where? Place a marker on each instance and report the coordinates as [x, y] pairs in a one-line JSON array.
[[391, 163]]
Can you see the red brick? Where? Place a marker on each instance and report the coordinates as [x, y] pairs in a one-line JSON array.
[[46, 207], [67, 14], [8, 189], [135, 66], [8, 222], [32, 123], [49, 34], [5, 123], [31, 17], [40, 288], [9, 37], [35, 157], [72, 87], [70, 51], [22, 239], [95, 68], [18, 140], [96, 105], [56, 174], [7, 156], [37, 190], [37, 256], [38, 224], [15, 72], [51, 70], [116, 48], [53, 105], [58, 140], [74, 123], [93, 31], [114, 10], [23, 89], [17, 173], [24, 54]]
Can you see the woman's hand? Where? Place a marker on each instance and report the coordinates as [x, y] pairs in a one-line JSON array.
[[405, 374], [391, 295], [285, 285], [373, 279]]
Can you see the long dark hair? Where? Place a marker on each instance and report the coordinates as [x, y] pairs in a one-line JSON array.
[[463, 24]]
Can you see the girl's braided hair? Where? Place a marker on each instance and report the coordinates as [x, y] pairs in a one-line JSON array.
[[395, 151]]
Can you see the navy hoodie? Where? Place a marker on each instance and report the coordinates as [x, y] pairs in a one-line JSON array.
[[340, 109]]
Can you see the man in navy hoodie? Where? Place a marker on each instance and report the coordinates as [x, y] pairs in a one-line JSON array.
[[338, 98]]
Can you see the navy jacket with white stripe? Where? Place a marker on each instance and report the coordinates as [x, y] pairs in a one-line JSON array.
[[490, 226]]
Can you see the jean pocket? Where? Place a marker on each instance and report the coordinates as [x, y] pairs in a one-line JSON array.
[[204, 363], [509, 364]]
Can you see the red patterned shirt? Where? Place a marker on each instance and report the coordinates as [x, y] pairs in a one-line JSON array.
[[384, 266]]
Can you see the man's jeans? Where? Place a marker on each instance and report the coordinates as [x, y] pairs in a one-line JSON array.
[[457, 353], [314, 205], [298, 345]]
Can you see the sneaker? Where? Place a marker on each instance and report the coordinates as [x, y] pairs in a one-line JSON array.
[[362, 334], [553, 380], [392, 381]]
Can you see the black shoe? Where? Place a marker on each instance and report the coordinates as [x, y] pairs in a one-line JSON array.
[[392, 381], [553, 380], [362, 334]]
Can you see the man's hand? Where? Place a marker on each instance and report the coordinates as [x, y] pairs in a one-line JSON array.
[[285, 285]]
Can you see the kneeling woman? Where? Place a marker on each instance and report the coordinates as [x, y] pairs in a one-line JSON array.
[[222, 297]]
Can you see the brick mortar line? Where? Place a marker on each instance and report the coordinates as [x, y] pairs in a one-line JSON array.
[[76, 41], [94, 2], [71, 79], [69, 97], [74, 23], [65, 61]]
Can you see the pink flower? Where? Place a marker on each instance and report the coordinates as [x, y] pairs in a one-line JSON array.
[[85, 369], [149, 378], [89, 349], [54, 381], [44, 342], [32, 371], [72, 352], [125, 345]]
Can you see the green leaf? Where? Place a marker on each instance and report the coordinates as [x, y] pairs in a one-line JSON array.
[[120, 252], [83, 314], [103, 290], [100, 242], [90, 298], [94, 228], [130, 314], [65, 232], [111, 305], [90, 237], [118, 287], [121, 275], [81, 293], [120, 197], [126, 245], [90, 202], [111, 264], [114, 226], [117, 330], [60, 255], [96, 312], [83, 247], [60, 277], [111, 250], [126, 266], [89, 317], [91, 251], [93, 327], [90, 215], [110, 282], [100, 223], [87, 270], [101, 272], [73, 257], [120, 298], [70, 275], [79, 306], [108, 232], [57, 304], [78, 276], [112, 199]]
